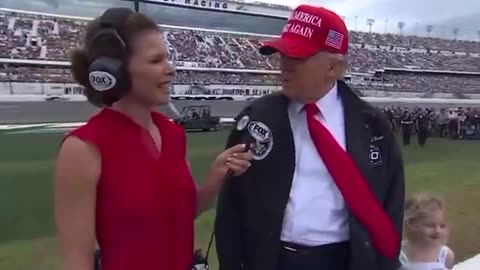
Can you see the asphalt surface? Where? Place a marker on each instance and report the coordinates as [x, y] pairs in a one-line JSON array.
[[61, 111], [58, 111]]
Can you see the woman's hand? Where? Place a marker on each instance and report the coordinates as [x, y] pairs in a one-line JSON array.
[[235, 159]]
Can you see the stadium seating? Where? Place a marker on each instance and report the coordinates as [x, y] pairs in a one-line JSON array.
[[389, 82], [40, 37], [432, 83]]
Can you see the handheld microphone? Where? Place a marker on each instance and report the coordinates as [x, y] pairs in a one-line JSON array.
[[230, 172], [201, 260], [245, 138]]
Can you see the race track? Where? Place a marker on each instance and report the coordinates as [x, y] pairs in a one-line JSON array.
[[58, 111], [63, 111]]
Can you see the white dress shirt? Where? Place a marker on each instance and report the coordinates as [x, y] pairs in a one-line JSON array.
[[316, 212]]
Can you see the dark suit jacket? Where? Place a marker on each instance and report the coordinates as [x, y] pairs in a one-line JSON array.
[[250, 209]]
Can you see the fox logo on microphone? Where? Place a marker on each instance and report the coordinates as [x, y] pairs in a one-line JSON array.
[[263, 137], [259, 131], [101, 80]]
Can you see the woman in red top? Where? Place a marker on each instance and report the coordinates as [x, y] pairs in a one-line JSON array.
[[123, 179]]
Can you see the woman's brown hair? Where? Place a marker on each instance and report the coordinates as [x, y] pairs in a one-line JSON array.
[[128, 27]]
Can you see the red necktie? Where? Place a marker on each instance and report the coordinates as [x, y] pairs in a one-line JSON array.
[[354, 188]]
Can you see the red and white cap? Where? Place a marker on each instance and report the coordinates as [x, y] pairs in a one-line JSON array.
[[310, 30]]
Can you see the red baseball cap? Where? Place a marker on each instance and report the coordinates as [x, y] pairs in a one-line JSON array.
[[310, 30]]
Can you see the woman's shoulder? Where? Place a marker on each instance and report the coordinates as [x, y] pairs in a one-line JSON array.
[[168, 123], [91, 130]]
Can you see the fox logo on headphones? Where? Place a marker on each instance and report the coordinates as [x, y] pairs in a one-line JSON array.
[[101, 80], [109, 75]]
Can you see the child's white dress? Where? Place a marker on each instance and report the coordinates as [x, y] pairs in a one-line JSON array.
[[440, 264]]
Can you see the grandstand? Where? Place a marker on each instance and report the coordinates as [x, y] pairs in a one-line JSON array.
[[222, 58]]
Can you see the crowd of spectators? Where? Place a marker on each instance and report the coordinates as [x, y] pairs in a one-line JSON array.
[[42, 37], [34, 74], [410, 41], [431, 83], [453, 123], [393, 82]]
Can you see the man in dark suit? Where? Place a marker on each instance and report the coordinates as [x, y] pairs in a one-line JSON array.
[[407, 127], [326, 188], [423, 123]]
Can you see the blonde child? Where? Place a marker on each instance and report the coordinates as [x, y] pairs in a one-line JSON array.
[[426, 234]]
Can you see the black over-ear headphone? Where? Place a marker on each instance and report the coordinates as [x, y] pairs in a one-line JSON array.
[[107, 75]]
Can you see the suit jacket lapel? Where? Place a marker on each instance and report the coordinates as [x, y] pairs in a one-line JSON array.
[[285, 151], [357, 131], [281, 160]]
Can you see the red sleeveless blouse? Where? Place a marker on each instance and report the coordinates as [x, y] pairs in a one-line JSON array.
[[146, 199]]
